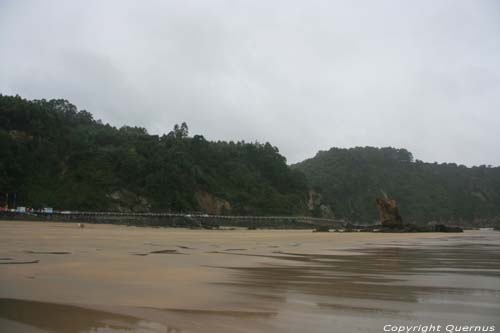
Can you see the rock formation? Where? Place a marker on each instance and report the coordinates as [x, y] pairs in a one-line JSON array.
[[211, 204], [316, 206], [388, 212], [127, 201]]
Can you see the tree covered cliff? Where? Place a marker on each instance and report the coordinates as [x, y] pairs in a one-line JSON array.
[[54, 155], [351, 179]]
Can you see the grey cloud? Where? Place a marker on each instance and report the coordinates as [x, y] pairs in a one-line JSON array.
[[304, 75]]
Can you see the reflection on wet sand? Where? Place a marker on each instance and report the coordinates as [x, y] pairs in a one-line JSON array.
[[440, 280], [397, 274], [243, 281], [53, 317]]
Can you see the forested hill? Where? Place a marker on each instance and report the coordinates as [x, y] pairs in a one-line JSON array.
[[54, 155], [350, 180]]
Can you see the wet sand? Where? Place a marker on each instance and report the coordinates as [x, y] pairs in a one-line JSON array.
[[56, 277]]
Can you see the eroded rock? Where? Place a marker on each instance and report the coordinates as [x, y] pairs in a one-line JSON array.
[[389, 213]]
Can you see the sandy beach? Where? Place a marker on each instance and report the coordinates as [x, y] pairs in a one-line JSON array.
[[56, 277]]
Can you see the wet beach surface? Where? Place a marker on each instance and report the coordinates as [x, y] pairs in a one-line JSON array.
[[56, 277]]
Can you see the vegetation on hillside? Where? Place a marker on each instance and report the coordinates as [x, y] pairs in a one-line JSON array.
[[54, 155], [351, 179]]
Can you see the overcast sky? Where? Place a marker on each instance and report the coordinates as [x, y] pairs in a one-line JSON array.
[[303, 75]]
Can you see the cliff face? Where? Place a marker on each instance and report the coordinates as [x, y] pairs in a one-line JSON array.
[[316, 205], [211, 204], [127, 201]]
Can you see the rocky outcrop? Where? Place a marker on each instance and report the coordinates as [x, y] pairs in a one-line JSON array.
[[127, 201], [316, 206], [211, 204], [322, 229], [20, 136], [313, 199], [402, 228], [389, 212], [447, 228]]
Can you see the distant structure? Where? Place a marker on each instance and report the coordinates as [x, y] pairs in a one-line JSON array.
[[7, 201], [388, 212]]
